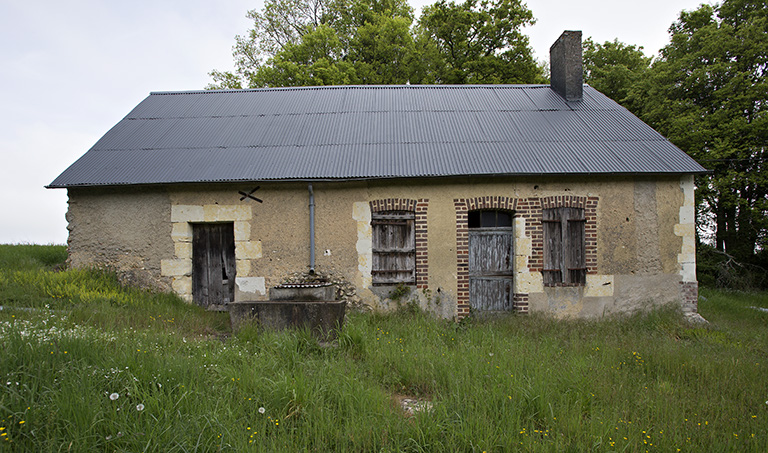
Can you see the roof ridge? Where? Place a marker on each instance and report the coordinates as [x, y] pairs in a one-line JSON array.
[[353, 87]]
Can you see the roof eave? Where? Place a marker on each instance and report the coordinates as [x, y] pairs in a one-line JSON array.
[[374, 178]]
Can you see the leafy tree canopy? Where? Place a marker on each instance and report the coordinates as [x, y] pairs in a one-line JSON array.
[[479, 42], [614, 67], [707, 94], [334, 42]]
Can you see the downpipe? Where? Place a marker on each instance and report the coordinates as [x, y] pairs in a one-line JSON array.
[[311, 230]]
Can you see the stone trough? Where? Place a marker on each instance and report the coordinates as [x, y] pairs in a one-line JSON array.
[[299, 305]]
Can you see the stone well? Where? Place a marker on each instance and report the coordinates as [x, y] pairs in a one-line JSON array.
[[300, 305]]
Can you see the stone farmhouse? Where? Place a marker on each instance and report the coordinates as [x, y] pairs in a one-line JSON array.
[[500, 198]]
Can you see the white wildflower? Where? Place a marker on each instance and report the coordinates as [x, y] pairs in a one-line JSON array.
[[114, 396], [139, 407], [262, 410]]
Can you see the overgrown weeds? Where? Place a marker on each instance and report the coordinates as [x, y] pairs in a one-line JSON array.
[[110, 368]]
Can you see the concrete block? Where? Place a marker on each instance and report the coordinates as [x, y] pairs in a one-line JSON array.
[[687, 215], [250, 286], [250, 250], [182, 285], [361, 211], [685, 229], [175, 268], [688, 271], [687, 186], [686, 258], [689, 245], [243, 267], [529, 282], [242, 231], [183, 250], [181, 232], [520, 227], [226, 213], [186, 213], [521, 262]]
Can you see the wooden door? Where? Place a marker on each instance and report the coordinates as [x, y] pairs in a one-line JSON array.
[[213, 264], [491, 261]]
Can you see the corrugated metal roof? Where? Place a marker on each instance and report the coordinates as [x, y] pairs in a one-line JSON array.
[[368, 132]]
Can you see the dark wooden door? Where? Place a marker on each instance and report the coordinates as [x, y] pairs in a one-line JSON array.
[[491, 262], [213, 263]]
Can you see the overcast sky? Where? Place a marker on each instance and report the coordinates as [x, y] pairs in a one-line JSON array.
[[72, 69]]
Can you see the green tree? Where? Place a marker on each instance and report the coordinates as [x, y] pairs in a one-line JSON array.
[[332, 42], [323, 42], [479, 42], [707, 94], [613, 68]]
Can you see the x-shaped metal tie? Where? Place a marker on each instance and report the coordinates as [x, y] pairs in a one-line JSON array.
[[250, 195]]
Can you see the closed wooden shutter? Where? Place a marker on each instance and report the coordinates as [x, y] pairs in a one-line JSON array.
[[576, 260], [564, 253], [394, 247], [553, 246]]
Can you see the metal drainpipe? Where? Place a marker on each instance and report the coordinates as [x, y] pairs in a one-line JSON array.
[[311, 230]]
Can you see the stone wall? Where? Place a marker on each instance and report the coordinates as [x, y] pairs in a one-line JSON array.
[[640, 236], [125, 229]]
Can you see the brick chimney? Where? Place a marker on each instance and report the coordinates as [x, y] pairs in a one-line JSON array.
[[565, 66]]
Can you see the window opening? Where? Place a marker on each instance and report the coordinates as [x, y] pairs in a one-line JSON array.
[[490, 218]]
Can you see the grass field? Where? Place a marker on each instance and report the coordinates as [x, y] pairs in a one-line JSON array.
[[88, 365]]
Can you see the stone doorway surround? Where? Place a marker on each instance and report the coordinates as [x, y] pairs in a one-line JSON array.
[[179, 268]]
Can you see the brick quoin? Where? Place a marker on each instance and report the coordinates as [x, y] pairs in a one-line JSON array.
[[689, 296]]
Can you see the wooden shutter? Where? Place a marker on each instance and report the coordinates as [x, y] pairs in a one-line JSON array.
[[564, 253], [394, 247], [553, 246], [575, 256]]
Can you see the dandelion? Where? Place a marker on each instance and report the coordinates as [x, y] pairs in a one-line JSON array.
[[262, 410], [114, 396], [139, 407]]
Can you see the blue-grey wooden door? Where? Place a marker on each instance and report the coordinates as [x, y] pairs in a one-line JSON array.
[[491, 269]]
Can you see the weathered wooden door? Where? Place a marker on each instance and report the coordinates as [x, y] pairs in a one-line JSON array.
[[213, 263], [491, 262]]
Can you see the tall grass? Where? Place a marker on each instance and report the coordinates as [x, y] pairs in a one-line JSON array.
[[647, 382]]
